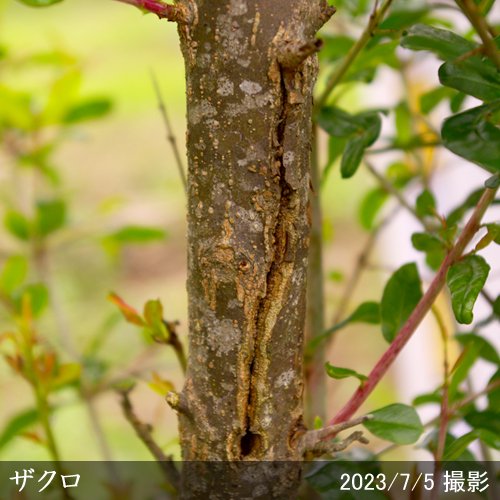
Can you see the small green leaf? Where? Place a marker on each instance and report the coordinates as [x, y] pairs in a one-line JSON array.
[[153, 314], [434, 248], [38, 296], [492, 182], [90, 109], [17, 224], [404, 123], [50, 216], [475, 136], [351, 159], [444, 43], [401, 294], [137, 234], [17, 424], [431, 397], [462, 366], [477, 79], [494, 395], [487, 351], [466, 279], [401, 17], [426, 204], [366, 312], [39, 3], [397, 423], [431, 99], [340, 373], [13, 273], [458, 213], [455, 448]]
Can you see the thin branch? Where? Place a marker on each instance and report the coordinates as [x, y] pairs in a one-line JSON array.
[[170, 132], [479, 23], [175, 13], [376, 16], [314, 441], [415, 318], [389, 187], [445, 413], [143, 431]]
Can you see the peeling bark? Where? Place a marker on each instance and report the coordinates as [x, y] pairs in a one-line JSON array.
[[250, 71]]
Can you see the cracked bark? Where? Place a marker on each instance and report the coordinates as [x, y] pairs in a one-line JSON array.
[[250, 70]]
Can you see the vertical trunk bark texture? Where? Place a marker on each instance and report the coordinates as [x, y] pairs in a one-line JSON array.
[[250, 70]]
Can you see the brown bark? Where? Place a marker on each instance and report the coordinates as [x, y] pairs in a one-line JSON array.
[[250, 71]]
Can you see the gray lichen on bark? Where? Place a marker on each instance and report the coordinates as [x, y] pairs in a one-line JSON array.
[[250, 71]]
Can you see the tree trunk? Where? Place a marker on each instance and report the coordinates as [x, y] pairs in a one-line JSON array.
[[250, 71]]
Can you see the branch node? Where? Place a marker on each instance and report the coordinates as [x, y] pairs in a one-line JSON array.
[[293, 55], [174, 400]]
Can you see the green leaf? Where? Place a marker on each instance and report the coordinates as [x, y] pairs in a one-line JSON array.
[[401, 294], [434, 248], [397, 423], [17, 224], [335, 47], [494, 395], [360, 131], [50, 216], [13, 273], [492, 234], [153, 314], [404, 122], [401, 17], [17, 425], [466, 279], [475, 136], [88, 110], [426, 204], [39, 3], [444, 43], [366, 312], [136, 234], [431, 397], [340, 373], [477, 79], [461, 369], [62, 94], [458, 213], [456, 447], [431, 99], [487, 351], [37, 295]]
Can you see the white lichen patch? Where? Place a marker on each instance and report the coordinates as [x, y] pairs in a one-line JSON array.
[[203, 110], [238, 7], [288, 158], [225, 87], [249, 87], [224, 337], [285, 379]]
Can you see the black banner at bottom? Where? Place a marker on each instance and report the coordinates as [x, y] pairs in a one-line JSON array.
[[248, 480]]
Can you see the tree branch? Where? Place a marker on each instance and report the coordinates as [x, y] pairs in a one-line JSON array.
[[426, 302], [175, 13], [314, 442], [170, 132], [143, 431], [335, 78], [479, 23]]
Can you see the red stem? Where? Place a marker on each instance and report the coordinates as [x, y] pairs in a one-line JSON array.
[[157, 7], [362, 393]]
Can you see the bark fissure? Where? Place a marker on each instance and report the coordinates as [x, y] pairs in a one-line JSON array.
[[254, 438]]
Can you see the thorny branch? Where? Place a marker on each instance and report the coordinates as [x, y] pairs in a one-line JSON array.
[[419, 312], [143, 431]]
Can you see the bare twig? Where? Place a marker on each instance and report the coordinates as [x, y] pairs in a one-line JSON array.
[[170, 133], [376, 16], [419, 312], [469, 8], [318, 442], [143, 431]]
